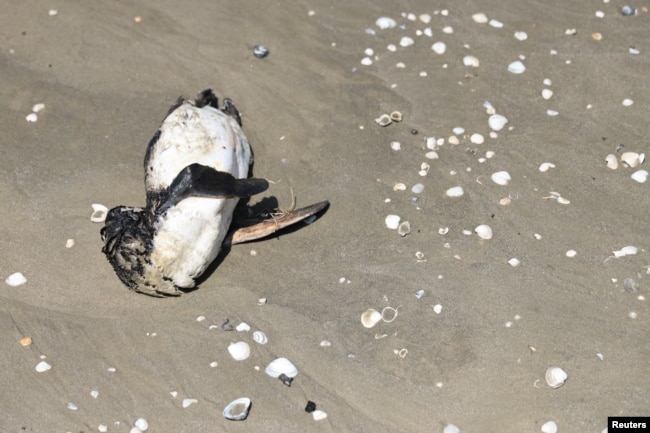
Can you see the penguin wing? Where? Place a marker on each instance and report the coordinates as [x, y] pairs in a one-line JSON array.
[[198, 180]]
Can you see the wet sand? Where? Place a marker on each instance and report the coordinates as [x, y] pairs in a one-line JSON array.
[[309, 109]]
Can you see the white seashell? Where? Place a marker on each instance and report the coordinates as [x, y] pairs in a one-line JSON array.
[[546, 166], [627, 102], [611, 161], [243, 327], [395, 145], [555, 377], [483, 231], [38, 107], [319, 415], [630, 158], [392, 221], [383, 120], [396, 116], [367, 61], [239, 351], [259, 337], [497, 122], [439, 47], [281, 366], [496, 24], [431, 155], [571, 253], [516, 67], [31, 117], [417, 188], [563, 200], [72, 406], [404, 228], [476, 138], [437, 308], [522, 36], [370, 318], [514, 262], [99, 213], [626, 251], [237, 410], [501, 178], [552, 113], [456, 191], [470, 61], [640, 176], [16, 279], [406, 41], [142, 424], [43, 366], [450, 428], [641, 158], [69, 243], [480, 18], [94, 393], [135, 430], [386, 317], [549, 427], [385, 23], [399, 186], [424, 169], [547, 93], [187, 402]]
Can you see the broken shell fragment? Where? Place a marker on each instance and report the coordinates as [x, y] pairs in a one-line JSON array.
[[629, 250], [16, 279], [370, 318], [383, 120], [631, 159], [454, 192], [555, 377], [611, 161], [239, 351], [497, 122], [99, 213], [392, 222], [42, 367], [25, 341], [319, 415], [404, 228], [640, 176], [237, 410], [501, 178], [483, 231], [396, 116], [546, 166], [259, 337], [281, 366]]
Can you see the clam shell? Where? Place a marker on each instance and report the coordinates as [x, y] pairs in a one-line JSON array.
[[497, 122], [392, 221], [630, 158], [259, 337], [237, 410], [555, 377], [549, 427], [470, 61], [385, 23], [404, 228], [370, 318], [383, 120], [142, 424], [239, 351], [501, 178], [396, 116], [483, 231], [456, 191], [16, 279], [611, 161], [281, 366], [640, 176], [99, 213]]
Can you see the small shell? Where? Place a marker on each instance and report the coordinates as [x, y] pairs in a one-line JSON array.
[[243, 327], [260, 51], [383, 120], [555, 377], [395, 145], [281, 366], [142, 424], [396, 116], [406, 41], [385, 23], [237, 410], [629, 250], [456, 191], [547, 93], [630, 158], [549, 427], [516, 67], [546, 166], [480, 18], [319, 415], [187, 402], [16, 279], [470, 61], [239, 351], [477, 138], [43, 367], [497, 122], [392, 221], [501, 178], [514, 262], [370, 318], [630, 285], [259, 337], [25, 341], [31, 117], [439, 47], [99, 213], [483, 231], [404, 228], [611, 161], [640, 176]]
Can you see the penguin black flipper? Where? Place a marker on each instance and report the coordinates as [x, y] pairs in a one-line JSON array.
[[198, 180], [261, 229]]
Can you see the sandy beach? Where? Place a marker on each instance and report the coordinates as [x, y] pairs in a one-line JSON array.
[[467, 332]]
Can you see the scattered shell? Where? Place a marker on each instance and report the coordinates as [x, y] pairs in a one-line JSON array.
[[260, 51], [261, 301], [631, 159], [451, 428], [259, 337], [424, 169], [627, 102], [439, 47], [626, 251], [385, 317], [243, 327], [142, 424], [480, 18], [43, 367], [630, 285], [385, 23], [396, 116], [555, 377], [417, 188], [16, 279], [546, 166], [72, 406], [547, 93], [549, 427], [237, 410], [496, 24], [516, 67], [99, 213], [366, 61], [501, 178], [456, 191], [419, 294], [319, 415], [383, 120], [522, 36], [281, 366], [69, 243], [611, 161], [31, 117], [431, 155], [38, 107], [437, 308], [419, 255], [476, 138], [483, 231], [514, 262], [392, 221], [404, 228], [640, 176], [497, 122], [406, 41], [628, 11], [399, 186], [187, 402], [239, 351], [571, 253], [470, 61], [395, 145], [370, 318], [25, 341]]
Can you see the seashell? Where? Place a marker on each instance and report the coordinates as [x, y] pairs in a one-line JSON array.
[[187, 402], [370, 318], [406, 41], [563, 200], [470, 61], [439, 47], [239, 351], [627, 102], [392, 221], [259, 337], [514, 262], [141, 424], [505, 201], [281, 366], [549, 427], [571, 253], [385, 317], [555, 377], [243, 327], [456, 191], [43, 366], [516, 67], [417, 188], [237, 410], [260, 51], [16, 279], [521, 36], [496, 24], [630, 158], [395, 145], [546, 166], [431, 155], [399, 186], [483, 231], [383, 120], [366, 61], [385, 23], [404, 228], [547, 93], [626, 251], [628, 11], [451, 428], [477, 138], [319, 415], [31, 117], [630, 285], [480, 18], [99, 213], [69, 243], [25, 341], [396, 116], [424, 169], [611, 161], [501, 178], [641, 158], [640, 176], [261, 301], [497, 122], [437, 308]]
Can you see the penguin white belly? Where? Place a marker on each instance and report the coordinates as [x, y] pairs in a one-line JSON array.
[[189, 236]]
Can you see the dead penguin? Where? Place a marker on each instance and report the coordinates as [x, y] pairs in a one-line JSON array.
[[197, 168]]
